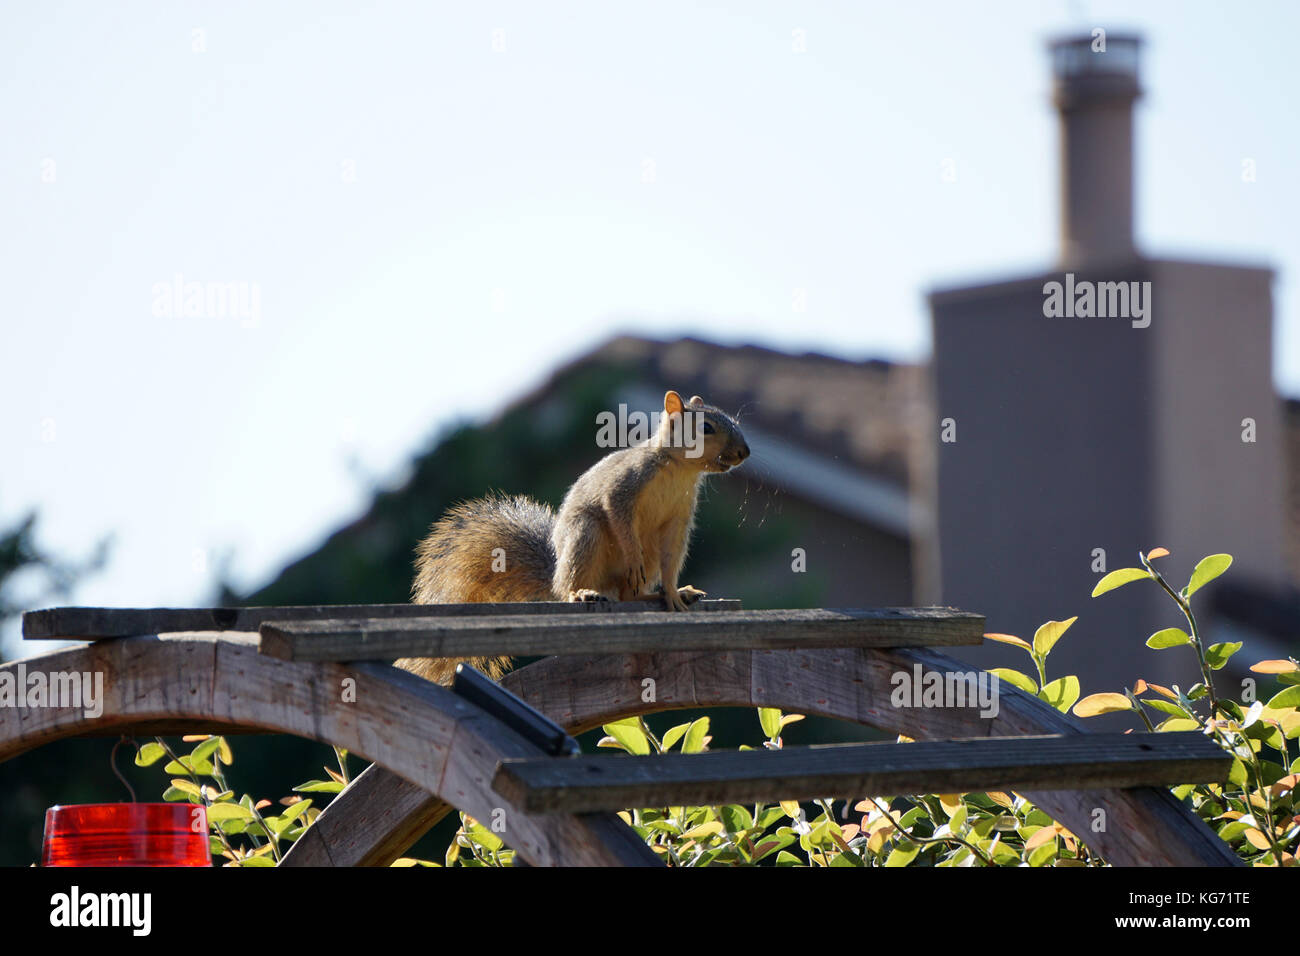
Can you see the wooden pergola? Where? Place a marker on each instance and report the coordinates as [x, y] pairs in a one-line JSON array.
[[283, 670]]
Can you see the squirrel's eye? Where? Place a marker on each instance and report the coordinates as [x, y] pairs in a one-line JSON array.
[[708, 428]]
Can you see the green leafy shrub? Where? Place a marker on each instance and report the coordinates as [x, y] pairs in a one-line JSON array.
[[937, 830], [238, 828], [1256, 810]]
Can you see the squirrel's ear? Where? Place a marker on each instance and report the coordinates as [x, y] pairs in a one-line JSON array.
[[672, 403], [696, 401]]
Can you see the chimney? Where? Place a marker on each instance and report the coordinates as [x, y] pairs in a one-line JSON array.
[[1095, 81]]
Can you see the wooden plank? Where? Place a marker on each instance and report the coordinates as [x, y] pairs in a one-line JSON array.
[[1146, 826], [520, 636], [1056, 762], [97, 623], [434, 739], [381, 815]]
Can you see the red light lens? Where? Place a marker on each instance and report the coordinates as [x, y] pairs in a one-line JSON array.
[[126, 834]]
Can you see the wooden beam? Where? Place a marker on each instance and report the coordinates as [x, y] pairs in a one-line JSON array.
[[520, 636], [97, 623], [1078, 762], [433, 738], [1145, 826]]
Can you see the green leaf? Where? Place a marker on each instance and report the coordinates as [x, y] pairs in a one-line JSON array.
[[1095, 704], [1217, 654], [1118, 579], [319, 786], [205, 750], [1015, 679], [629, 736], [484, 837], [1045, 637], [1009, 639], [1206, 571], [1286, 698], [1165, 707], [149, 754], [295, 810], [767, 816], [1043, 854], [911, 816], [735, 818], [1233, 708], [174, 794], [820, 835], [1061, 693], [1177, 724], [220, 812], [673, 735], [1169, 637], [188, 786], [1233, 830], [770, 844], [1002, 854], [189, 765], [770, 718], [903, 854], [694, 742], [786, 858]]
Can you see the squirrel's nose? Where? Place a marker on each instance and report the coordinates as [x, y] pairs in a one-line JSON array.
[[744, 452]]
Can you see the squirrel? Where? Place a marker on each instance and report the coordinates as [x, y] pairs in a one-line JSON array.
[[621, 533]]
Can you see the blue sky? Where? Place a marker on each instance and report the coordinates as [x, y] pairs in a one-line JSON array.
[[437, 203]]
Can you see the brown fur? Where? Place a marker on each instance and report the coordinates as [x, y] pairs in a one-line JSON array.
[[621, 534]]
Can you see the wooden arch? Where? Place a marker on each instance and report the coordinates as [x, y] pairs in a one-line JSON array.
[[378, 817], [211, 682]]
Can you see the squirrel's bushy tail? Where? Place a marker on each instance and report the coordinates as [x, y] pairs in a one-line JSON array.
[[458, 562]]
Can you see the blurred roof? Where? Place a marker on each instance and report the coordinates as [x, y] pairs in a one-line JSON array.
[[865, 415]]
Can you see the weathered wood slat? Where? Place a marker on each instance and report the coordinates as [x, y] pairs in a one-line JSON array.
[[436, 740], [380, 814], [97, 623], [589, 783], [519, 636]]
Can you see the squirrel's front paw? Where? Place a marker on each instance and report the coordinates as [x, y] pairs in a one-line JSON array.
[[634, 584], [586, 594], [683, 597], [690, 595]]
